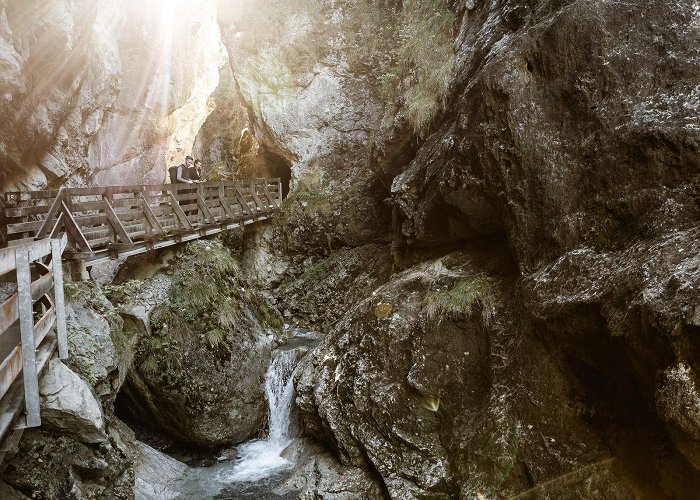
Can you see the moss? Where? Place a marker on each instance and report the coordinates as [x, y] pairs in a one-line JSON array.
[[426, 55], [462, 299], [86, 372]]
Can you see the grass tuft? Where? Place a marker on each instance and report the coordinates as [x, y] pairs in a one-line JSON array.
[[462, 300]]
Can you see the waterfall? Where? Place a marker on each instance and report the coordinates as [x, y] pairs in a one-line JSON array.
[[261, 458], [279, 389]]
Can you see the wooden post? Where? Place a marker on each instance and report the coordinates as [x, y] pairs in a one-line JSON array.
[[279, 192], [26, 322], [57, 268]]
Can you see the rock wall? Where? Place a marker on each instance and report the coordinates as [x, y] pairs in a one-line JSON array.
[[567, 143], [217, 143], [101, 92]]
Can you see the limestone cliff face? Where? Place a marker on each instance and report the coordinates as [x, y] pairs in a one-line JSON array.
[[100, 92], [568, 140]]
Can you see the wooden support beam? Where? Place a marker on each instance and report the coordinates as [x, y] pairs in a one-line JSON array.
[[242, 201], [73, 230], [204, 208], [59, 298], [259, 207], [230, 214], [116, 224], [179, 212], [26, 320], [48, 221], [150, 216], [270, 199], [57, 227]]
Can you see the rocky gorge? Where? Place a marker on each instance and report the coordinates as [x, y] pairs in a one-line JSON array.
[[492, 219]]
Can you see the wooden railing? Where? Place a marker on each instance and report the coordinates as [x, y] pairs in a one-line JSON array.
[[104, 222], [32, 324]]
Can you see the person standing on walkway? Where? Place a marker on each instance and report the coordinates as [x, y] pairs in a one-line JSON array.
[[195, 171], [183, 171]]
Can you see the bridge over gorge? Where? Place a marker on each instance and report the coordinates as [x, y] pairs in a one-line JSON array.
[[91, 225], [103, 223]]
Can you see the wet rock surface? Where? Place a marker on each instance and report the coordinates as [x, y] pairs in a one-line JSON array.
[[318, 474], [51, 466]]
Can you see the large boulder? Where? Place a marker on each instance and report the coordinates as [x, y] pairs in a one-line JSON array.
[[51, 465], [199, 370], [68, 404], [155, 473], [422, 382]]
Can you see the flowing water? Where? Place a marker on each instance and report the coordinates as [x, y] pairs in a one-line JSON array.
[[259, 468]]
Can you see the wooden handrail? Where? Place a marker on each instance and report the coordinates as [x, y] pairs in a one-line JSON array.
[[123, 220], [21, 335]]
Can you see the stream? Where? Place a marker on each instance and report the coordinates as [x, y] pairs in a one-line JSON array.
[[259, 470]]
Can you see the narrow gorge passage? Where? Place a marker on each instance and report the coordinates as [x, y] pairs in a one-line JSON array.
[[489, 209]]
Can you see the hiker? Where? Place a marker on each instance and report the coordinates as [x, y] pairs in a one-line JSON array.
[[195, 171], [181, 172]]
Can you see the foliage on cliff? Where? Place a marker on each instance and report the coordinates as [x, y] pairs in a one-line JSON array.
[[206, 299]]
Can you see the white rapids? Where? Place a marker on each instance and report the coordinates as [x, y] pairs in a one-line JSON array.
[[262, 458]]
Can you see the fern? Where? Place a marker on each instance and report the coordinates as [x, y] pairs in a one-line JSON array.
[[229, 314], [216, 338]]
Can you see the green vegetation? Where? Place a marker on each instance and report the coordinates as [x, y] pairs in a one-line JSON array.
[[426, 56], [205, 300], [158, 353], [462, 299], [418, 69], [408, 49]]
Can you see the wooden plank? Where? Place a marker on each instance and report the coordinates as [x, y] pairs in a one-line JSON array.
[[24, 227], [184, 221], [9, 310], [256, 199], [21, 242], [59, 298], [270, 200], [44, 325], [150, 217], [230, 214], [43, 355], [116, 224], [51, 215], [16, 212], [26, 320], [57, 227], [37, 250], [10, 368]]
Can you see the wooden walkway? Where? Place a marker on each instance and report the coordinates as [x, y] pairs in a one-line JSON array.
[[103, 223], [91, 225], [32, 325]]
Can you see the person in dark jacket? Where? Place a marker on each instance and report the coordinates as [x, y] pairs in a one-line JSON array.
[[184, 170], [195, 171]]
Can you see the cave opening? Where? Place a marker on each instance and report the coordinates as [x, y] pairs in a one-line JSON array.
[[277, 166]]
